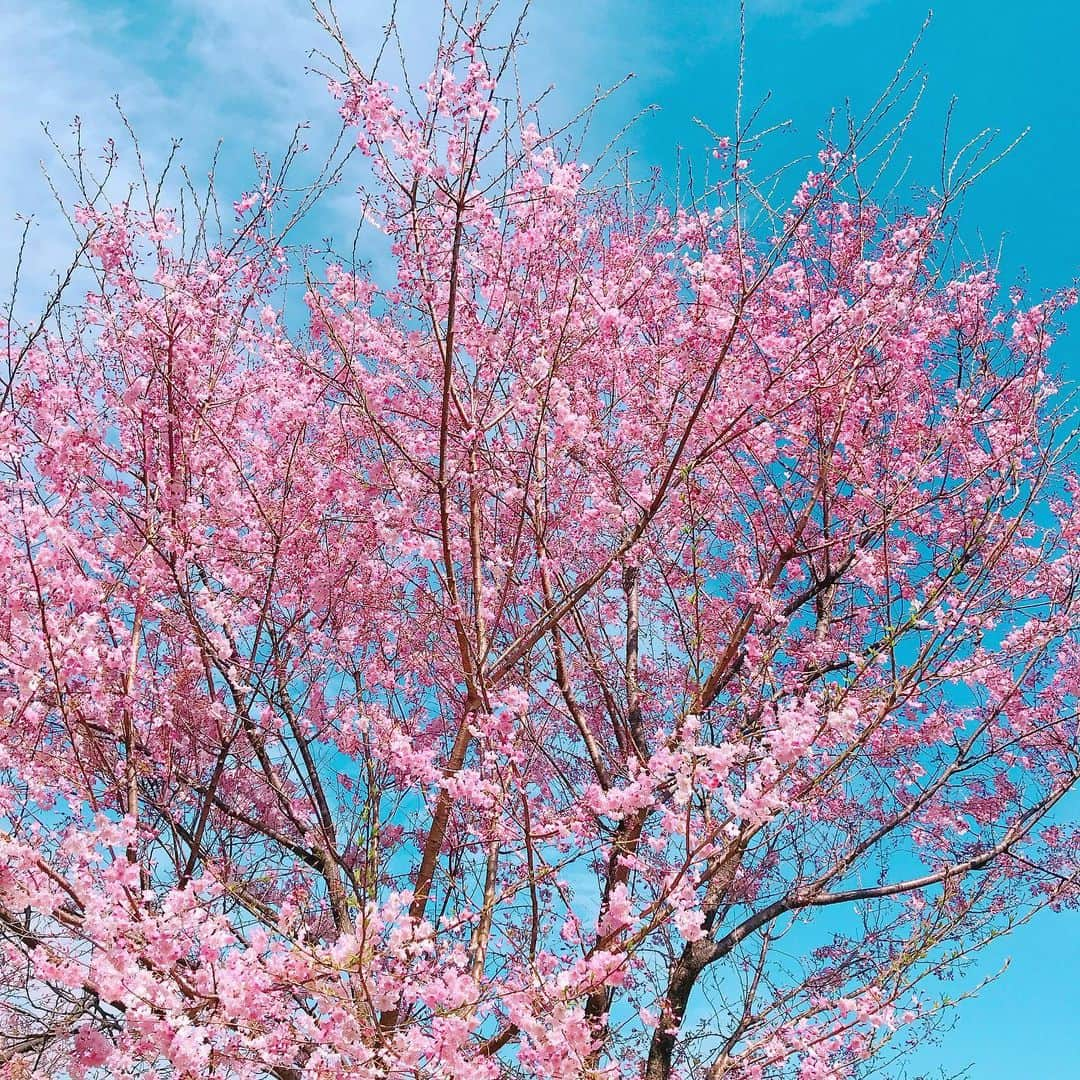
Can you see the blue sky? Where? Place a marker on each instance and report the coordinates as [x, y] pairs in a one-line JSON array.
[[205, 69]]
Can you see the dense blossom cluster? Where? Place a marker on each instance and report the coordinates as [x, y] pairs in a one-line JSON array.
[[623, 645]]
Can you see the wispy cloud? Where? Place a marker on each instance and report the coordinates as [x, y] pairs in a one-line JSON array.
[[812, 14], [197, 70]]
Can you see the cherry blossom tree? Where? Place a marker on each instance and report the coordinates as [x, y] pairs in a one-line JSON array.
[[631, 639]]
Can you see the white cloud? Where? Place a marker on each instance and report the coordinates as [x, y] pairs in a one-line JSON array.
[[814, 13]]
